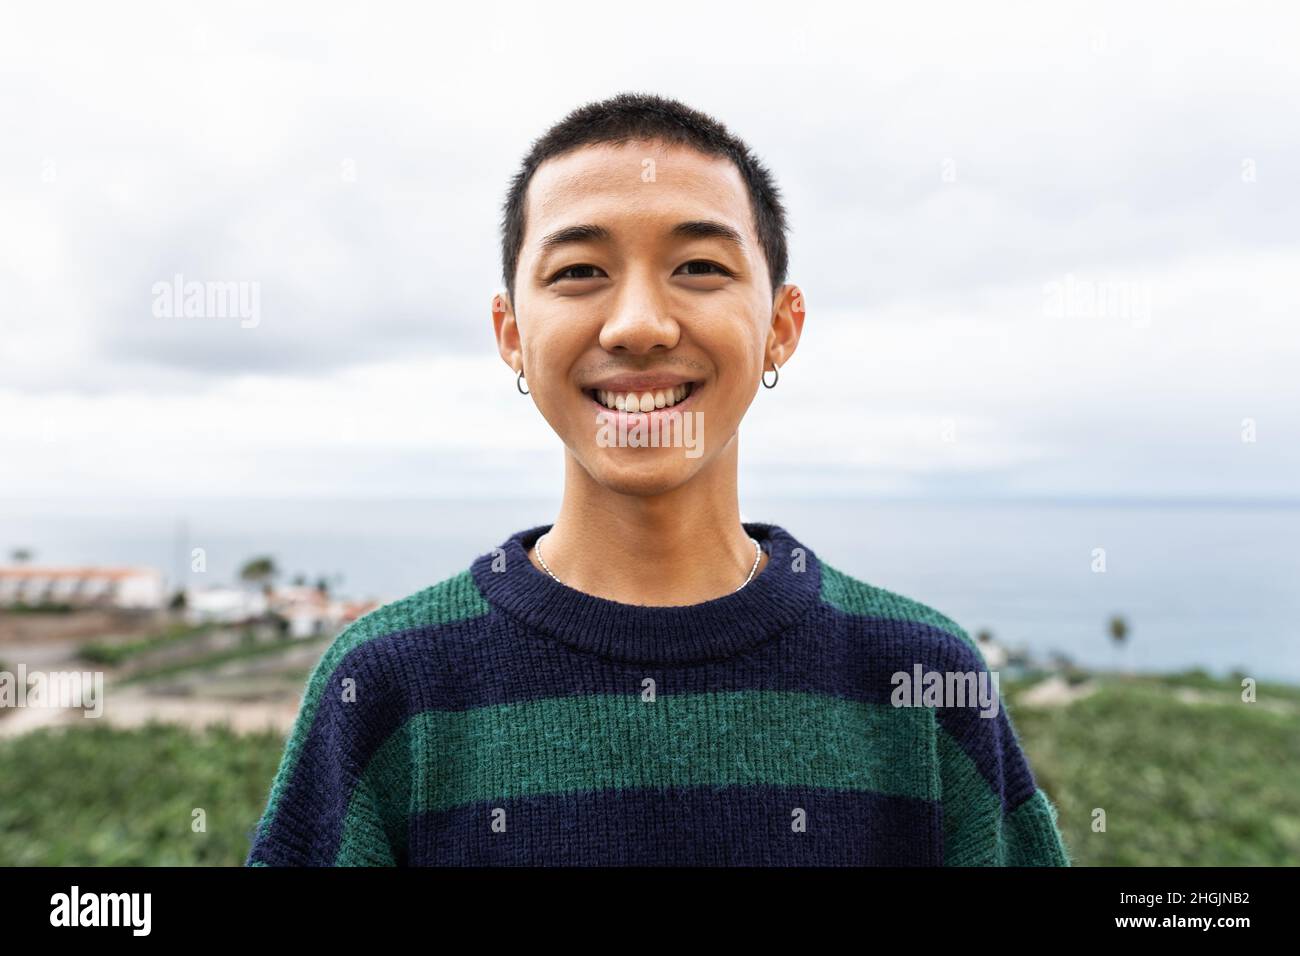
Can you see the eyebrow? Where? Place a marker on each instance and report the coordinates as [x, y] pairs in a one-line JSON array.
[[691, 229]]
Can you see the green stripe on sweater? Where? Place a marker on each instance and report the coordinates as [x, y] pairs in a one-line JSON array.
[[852, 596], [615, 742]]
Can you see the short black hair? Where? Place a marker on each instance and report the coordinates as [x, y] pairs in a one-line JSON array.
[[629, 117]]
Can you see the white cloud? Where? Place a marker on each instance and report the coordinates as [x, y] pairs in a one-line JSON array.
[[941, 163]]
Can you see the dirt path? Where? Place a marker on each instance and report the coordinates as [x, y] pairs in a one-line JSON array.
[[1056, 692], [132, 708]]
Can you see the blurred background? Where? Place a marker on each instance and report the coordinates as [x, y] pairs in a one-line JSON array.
[[1047, 383]]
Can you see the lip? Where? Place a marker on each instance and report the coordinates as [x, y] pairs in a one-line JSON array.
[[639, 382], [686, 403]]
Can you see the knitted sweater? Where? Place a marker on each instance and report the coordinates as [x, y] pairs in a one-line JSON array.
[[502, 718]]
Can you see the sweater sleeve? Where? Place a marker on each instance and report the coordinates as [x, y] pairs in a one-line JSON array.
[[994, 813], [325, 807]]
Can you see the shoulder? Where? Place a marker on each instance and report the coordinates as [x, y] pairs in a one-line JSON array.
[[393, 629], [872, 608], [451, 600]]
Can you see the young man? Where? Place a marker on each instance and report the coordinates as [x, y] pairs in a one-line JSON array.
[[647, 680]]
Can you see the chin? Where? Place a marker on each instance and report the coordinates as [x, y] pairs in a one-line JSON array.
[[642, 472]]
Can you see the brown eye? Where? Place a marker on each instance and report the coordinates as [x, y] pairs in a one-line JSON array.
[[707, 265], [564, 273]]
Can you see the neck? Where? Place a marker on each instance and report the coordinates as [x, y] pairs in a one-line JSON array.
[[684, 546]]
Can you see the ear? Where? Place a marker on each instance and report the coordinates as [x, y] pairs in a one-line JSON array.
[[506, 331], [787, 325]]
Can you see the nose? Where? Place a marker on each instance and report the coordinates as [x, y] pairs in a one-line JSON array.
[[641, 319]]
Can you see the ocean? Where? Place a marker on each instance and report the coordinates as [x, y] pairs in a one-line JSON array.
[[1200, 585]]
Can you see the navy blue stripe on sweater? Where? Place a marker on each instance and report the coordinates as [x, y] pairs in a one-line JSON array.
[[692, 826]]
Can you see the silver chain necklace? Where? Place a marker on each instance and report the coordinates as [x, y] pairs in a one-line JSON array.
[[758, 555]]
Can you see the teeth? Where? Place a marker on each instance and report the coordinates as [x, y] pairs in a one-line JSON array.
[[642, 401]]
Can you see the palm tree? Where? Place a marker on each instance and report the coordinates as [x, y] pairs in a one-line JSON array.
[[1118, 632], [261, 570]]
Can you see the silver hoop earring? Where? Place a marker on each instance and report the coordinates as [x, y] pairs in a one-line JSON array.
[[519, 383], [776, 375]]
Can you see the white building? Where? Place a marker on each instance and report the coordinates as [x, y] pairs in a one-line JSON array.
[[312, 613], [995, 655], [223, 605], [127, 588]]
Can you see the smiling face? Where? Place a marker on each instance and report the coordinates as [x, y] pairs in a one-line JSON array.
[[643, 300]]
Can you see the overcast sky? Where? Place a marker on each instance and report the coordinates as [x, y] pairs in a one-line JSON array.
[[951, 173]]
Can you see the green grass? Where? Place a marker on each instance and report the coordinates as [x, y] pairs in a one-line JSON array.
[[1200, 680], [112, 654], [1182, 784], [249, 647], [99, 796], [49, 607]]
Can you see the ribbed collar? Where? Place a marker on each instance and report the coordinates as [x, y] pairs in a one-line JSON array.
[[779, 595]]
